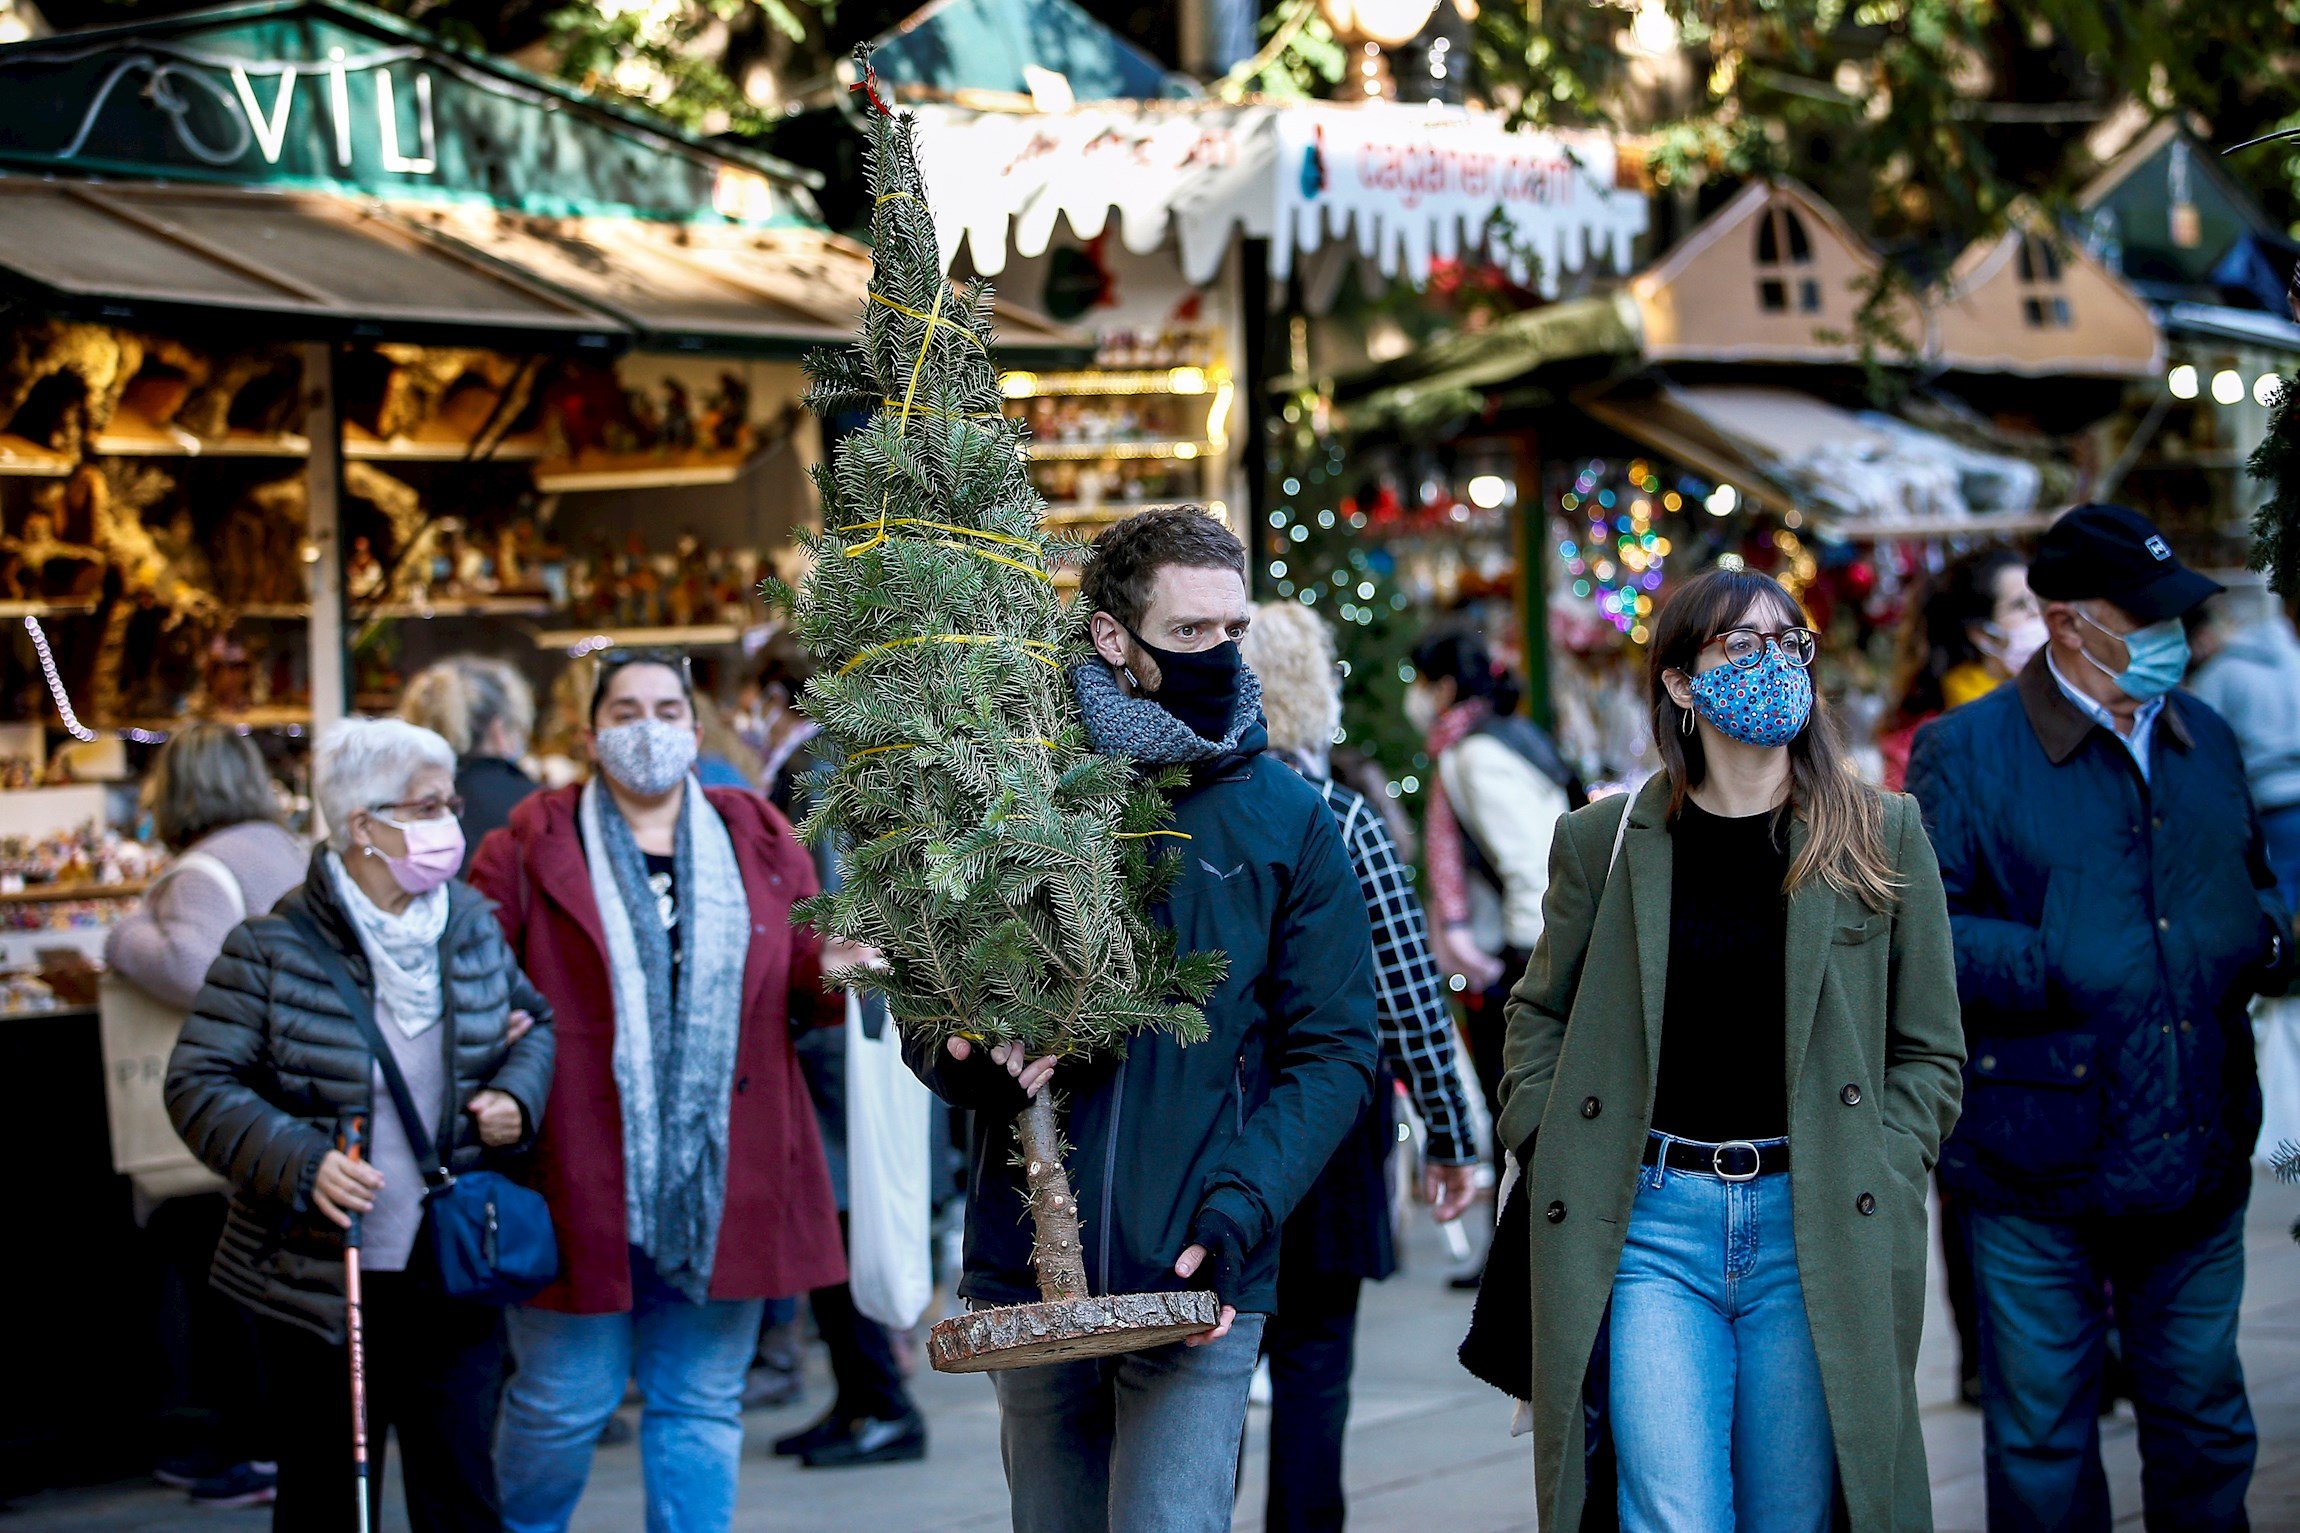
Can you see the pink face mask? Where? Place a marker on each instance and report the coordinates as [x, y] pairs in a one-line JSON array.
[[434, 853]]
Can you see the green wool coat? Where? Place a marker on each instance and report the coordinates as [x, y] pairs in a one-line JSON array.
[[1875, 1055]]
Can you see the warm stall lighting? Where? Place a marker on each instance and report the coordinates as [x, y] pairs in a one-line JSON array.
[[2182, 381], [2265, 388], [2227, 386], [1018, 385], [1722, 500], [1187, 380], [1487, 491]]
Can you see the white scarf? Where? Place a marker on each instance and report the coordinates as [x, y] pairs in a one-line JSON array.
[[402, 950]]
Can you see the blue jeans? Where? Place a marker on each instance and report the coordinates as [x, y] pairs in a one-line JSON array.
[[2044, 1290], [1146, 1442], [2280, 828], [1715, 1395], [571, 1369]]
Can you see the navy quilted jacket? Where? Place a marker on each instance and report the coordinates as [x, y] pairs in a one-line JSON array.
[[2110, 932]]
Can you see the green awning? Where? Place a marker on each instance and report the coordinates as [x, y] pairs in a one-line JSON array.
[[1453, 375], [952, 47]]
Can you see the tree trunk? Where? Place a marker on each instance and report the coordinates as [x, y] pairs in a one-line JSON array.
[[1056, 1250]]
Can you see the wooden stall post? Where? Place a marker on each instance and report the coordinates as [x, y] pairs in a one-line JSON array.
[[323, 494]]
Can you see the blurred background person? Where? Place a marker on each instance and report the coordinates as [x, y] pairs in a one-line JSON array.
[[212, 806], [1340, 1235], [1497, 790], [1974, 629], [2249, 672], [682, 1164], [485, 710], [772, 723], [270, 1065]]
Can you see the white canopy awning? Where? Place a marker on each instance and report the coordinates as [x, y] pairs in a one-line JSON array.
[[1406, 185]]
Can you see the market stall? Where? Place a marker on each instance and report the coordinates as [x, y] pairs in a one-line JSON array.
[[332, 350]]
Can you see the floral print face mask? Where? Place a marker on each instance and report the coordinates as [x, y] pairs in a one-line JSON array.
[[1766, 704]]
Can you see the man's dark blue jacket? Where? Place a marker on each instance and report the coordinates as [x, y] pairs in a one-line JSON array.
[[2110, 932], [1241, 1123]]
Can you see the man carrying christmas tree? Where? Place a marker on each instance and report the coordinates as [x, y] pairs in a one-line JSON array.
[[1186, 1160]]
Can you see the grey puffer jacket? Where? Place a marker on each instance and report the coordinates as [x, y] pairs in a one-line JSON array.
[[269, 1063]]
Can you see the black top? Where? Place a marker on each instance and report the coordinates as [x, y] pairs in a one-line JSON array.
[[663, 880], [490, 788], [1723, 1073]]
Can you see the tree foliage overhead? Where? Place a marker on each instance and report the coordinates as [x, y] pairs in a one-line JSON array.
[[1002, 867]]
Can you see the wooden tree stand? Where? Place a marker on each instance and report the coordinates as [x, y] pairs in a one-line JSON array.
[[1068, 1323]]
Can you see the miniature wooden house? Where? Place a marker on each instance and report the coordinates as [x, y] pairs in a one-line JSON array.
[[1774, 276], [2030, 302]]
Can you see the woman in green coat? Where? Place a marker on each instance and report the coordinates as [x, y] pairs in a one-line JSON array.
[[1749, 958]]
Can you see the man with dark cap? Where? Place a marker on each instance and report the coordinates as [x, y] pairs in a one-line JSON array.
[[2114, 914]]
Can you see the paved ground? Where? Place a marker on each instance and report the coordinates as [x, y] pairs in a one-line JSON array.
[[1428, 1445]]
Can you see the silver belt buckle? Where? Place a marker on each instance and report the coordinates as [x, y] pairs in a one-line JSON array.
[[1717, 1161]]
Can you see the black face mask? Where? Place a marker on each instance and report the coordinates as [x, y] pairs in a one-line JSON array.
[[1198, 687]]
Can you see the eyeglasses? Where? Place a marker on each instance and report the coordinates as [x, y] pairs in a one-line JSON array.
[[1744, 647], [422, 808]]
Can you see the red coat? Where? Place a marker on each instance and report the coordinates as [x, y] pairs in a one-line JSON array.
[[780, 1231]]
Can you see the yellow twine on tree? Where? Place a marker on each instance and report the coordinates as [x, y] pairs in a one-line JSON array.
[[918, 746], [984, 553], [931, 320], [1030, 647], [953, 528], [1137, 835], [888, 197], [909, 394]]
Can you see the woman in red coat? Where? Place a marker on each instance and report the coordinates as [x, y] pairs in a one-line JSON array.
[[679, 1151]]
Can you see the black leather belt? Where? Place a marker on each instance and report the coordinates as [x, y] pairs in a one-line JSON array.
[[1734, 1161]]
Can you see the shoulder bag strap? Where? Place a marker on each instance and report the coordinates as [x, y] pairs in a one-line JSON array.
[[218, 873], [363, 1017]]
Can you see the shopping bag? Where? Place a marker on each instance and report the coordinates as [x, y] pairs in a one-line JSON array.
[[137, 1032], [2276, 1031], [888, 1208]]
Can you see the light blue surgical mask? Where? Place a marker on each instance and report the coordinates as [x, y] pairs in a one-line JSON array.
[[2156, 658]]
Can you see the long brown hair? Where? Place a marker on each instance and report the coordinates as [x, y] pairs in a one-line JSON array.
[[1844, 817]]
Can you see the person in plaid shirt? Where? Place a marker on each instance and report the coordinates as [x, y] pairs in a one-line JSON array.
[[1340, 1235]]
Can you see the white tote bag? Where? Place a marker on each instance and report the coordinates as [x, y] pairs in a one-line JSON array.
[[138, 1032], [2276, 1029], [890, 1267]]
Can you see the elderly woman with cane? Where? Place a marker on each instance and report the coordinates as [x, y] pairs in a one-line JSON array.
[[380, 943]]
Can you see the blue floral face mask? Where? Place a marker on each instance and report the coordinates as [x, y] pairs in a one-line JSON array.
[[1766, 704]]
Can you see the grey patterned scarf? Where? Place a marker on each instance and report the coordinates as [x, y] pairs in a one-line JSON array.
[[674, 1045], [1138, 728]]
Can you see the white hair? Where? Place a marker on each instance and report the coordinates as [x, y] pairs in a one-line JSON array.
[[362, 762]]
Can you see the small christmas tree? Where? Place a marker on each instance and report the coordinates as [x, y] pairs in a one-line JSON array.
[[1003, 869]]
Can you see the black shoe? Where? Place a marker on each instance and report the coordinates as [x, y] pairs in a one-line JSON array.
[[182, 1471], [240, 1485], [833, 1427], [901, 1441]]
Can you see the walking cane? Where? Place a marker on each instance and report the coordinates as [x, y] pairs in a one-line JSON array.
[[351, 1141]]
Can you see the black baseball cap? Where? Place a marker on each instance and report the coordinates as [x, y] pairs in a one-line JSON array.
[[2114, 554]]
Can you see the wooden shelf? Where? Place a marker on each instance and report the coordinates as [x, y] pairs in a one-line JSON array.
[[19, 457], [1067, 512], [45, 894], [698, 636], [60, 607], [435, 444], [270, 716], [1186, 381], [641, 470], [1082, 452], [129, 434]]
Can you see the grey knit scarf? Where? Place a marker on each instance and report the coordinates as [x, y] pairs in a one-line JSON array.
[[674, 1045], [1138, 728]]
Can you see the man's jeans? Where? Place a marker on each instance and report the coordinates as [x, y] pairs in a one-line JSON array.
[[1146, 1442], [1715, 1396], [691, 1360], [2044, 1289]]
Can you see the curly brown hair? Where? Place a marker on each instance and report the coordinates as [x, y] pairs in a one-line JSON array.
[[1126, 557]]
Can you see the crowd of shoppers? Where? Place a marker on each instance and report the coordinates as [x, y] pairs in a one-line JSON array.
[[1727, 1022]]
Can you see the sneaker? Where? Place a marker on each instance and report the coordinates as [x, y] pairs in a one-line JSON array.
[[768, 1387], [902, 1441], [806, 1440], [241, 1485], [182, 1471]]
